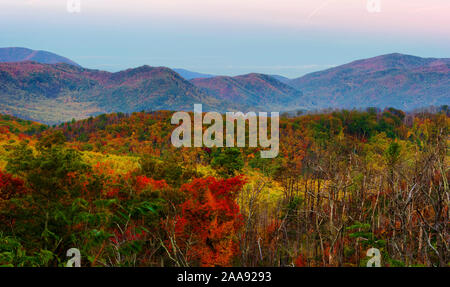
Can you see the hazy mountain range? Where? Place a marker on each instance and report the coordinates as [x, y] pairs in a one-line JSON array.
[[42, 86], [52, 93], [17, 54]]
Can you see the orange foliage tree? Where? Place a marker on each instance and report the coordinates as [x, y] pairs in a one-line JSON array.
[[209, 221]]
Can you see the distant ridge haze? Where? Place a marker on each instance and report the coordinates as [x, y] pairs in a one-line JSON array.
[[18, 54], [189, 75]]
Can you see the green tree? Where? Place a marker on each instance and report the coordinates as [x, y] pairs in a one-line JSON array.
[[227, 161]]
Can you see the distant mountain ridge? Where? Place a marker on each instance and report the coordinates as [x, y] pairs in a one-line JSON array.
[[53, 93], [18, 54], [254, 90], [396, 80]]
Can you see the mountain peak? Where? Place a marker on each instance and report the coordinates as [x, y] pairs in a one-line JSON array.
[[142, 73], [392, 80], [395, 61]]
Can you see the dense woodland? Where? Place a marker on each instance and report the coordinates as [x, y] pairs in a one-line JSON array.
[[114, 187]]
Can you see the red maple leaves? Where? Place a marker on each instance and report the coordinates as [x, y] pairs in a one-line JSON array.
[[143, 182], [209, 221], [10, 186]]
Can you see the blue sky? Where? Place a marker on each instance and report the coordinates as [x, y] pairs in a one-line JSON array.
[[227, 37]]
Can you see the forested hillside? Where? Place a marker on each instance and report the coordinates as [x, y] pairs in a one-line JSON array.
[[114, 187], [60, 92], [396, 80]]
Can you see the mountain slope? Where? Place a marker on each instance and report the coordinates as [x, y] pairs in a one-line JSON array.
[[15, 54], [282, 79], [254, 90], [60, 92], [396, 80], [189, 75]]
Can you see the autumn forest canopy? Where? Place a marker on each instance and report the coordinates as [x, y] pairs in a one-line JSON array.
[[114, 187]]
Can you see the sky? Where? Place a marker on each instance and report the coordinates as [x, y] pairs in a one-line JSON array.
[[227, 37]]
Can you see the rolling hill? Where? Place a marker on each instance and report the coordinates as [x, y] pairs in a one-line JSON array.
[[17, 54], [396, 80]]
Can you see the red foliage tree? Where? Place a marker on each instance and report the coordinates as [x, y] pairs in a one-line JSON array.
[[143, 182], [209, 220], [300, 261], [10, 186]]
